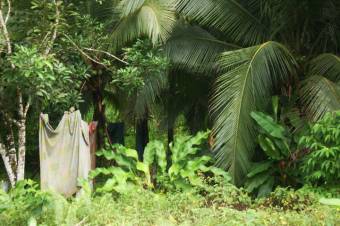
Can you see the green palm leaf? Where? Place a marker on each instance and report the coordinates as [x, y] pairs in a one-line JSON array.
[[327, 65], [152, 18], [127, 7], [227, 16], [246, 85], [320, 95], [191, 47]]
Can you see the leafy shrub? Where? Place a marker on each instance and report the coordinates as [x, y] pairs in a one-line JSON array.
[[26, 201], [322, 191], [218, 193], [186, 164], [145, 207], [288, 199], [321, 164], [146, 62], [154, 172]]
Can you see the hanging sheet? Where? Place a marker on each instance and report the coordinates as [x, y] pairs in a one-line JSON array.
[[64, 153]]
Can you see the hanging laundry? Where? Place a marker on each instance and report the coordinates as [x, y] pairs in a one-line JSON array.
[[64, 153]]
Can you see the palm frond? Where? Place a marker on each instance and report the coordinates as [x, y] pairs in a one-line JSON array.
[[193, 48], [128, 7], [147, 94], [320, 95], [154, 19], [227, 16], [246, 85], [327, 65]]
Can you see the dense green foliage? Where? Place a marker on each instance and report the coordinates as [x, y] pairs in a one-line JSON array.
[[167, 69], [321, 164], [219, 204]]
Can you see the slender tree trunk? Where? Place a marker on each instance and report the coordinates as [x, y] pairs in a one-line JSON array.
[[23, 109], [170, 140], [21, 150], [8, 167], [142, 135], [12, 153], [99, 116]]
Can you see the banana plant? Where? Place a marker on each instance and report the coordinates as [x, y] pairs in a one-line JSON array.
[[276, 142]]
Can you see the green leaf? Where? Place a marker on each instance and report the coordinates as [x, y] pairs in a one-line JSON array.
[[330, 201], [131, 153], [220, 172], [174, 170], [146, 170], [154, 19], [259, 168], [155, 149], [256, 181], [266, 188], [143, 167], [196, 163], [319, 95], [275, 105], [268, 147], [230, 17], [268, 124], [191, 47]]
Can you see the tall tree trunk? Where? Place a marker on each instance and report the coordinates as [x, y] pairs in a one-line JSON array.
[[142, 135], [97, 85]]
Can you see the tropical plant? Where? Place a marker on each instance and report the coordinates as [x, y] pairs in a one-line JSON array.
[[183, 171], [252, 68], [276, 142], [185, 164], [321, 163]]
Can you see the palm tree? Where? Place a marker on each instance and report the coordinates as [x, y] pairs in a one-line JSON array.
[[255, 48], [144, 19], [277, 47]]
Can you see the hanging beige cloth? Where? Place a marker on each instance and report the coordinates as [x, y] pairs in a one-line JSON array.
[[64, 153]]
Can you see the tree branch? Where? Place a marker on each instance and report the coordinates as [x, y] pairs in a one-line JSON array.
[[107, 53], [83, 53], [9, 11], [5, 32], [26, 108], [20, 104], [54, 35]]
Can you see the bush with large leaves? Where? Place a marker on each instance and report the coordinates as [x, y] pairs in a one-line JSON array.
[[182, 172], [321, 165]]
